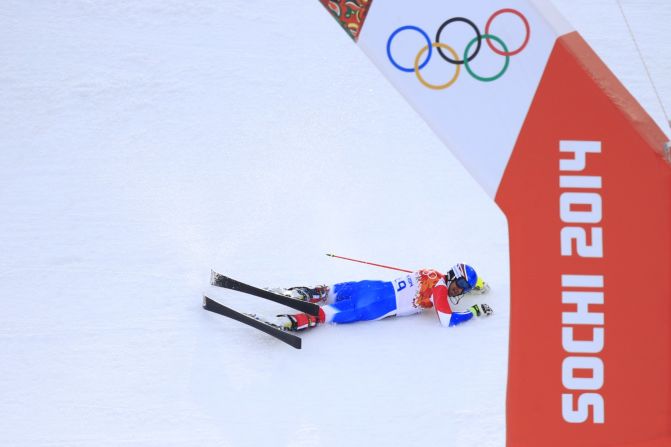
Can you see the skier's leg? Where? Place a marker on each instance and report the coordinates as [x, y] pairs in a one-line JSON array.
[[360, 301], [341, 309], [348, 302], [341, 313]]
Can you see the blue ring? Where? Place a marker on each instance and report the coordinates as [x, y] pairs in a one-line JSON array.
[[403, 28]]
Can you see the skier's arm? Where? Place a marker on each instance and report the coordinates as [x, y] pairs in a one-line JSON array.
[[444, 309]]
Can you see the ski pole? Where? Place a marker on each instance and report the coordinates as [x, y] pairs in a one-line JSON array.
[[369, 263]]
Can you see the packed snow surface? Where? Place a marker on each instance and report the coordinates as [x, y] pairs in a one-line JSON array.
[[144, 143]]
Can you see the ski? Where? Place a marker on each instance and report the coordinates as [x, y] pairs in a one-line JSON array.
[[219, 280], [250, 320]]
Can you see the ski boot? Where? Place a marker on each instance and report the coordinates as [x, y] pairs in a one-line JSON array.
[[297, 322], [316, 295], [286, 322]]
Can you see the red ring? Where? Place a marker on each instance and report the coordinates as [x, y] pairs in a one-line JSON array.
[[526, 25]]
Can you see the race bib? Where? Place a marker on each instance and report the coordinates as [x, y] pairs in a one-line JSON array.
[[406, 289]]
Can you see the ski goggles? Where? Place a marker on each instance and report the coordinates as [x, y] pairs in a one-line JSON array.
[[463, 284]]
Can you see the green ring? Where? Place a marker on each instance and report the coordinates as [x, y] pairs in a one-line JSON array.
[[467, 65]]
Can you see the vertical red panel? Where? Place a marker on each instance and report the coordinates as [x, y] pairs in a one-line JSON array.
[[579, 99]]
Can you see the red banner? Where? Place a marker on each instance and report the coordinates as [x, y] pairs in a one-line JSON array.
[[587, 193]]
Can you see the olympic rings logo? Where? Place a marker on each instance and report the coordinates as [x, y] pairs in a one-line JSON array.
[[454, 59]]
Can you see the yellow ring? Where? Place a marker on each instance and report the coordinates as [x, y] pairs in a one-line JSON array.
[[456, 73]]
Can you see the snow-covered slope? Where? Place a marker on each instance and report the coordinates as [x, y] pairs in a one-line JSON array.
[[145, 142]]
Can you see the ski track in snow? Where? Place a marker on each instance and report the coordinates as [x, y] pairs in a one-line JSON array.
[[146, 142]]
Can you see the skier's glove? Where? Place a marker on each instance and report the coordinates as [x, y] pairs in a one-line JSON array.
[[480, 288], [482, 309]]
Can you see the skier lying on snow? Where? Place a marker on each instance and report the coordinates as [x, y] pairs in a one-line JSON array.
[[373, 300]]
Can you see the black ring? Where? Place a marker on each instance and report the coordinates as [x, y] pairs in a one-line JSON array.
[[468, 22]]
